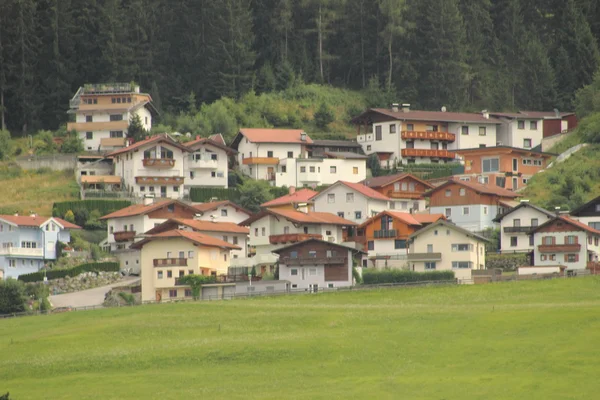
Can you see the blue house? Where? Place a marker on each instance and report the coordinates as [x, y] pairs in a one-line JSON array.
[[27, 242]]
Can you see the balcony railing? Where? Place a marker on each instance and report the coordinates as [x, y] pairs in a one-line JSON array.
[[252, 261], [559, 248], [293, 237], [22, 251], [261, 161], [517, 229], [170, 262], [403, 194], [124, 236], [159, 180], [159, 162], [112, 142], [203, 163], [426, 135], [424, 256], [427, 153], [392, 233], [314, 260], [97, 126]]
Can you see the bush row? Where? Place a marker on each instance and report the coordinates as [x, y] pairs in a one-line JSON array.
[[61, 273], [59, 209], [374, 276], [203, 195]]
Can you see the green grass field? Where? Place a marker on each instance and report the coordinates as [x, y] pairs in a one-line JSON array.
[[517, 340]]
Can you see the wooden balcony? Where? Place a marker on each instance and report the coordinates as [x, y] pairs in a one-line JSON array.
[[559, 248], [314, 260], [159, 180], [389, 234], [517, 229], [124, 236], [159, 162], [427, 153], [112, 142], [424, 256], [97, 126], [170, 262], [261, 161], [426, 135], [293, 237], [403, 194]]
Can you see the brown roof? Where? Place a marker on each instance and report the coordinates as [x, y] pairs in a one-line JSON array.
[[313, 240], [197, 225], [204, 207], [211, 142], [299, 196], [36, 221], [311, 217], [195, 237], [264, 135], [155, 139], [434, 116], [141, 209], [477, 187], [407, 218], [569, 221], [380, 181]]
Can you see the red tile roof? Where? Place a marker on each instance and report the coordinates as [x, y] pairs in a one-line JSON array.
[[197, 225], [195, 237], [477, 187], [407, 218], [300, 196], [365, 190], [141, 209], [579, 224], [428, 218], [263, 135], [204, 207], [155, 139], [380, 181], [434, 116], [36, 221]]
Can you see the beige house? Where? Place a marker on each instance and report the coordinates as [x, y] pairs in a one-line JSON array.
[[444, 246], [167, 256]]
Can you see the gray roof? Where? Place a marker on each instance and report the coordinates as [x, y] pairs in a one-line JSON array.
[[337, 143], [345, 154]]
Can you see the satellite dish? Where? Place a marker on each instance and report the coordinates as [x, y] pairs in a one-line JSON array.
[[443, 108]]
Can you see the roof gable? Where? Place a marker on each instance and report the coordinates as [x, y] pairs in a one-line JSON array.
[[311, 217], [194, 145], [194, 237], [433, 116], [579, 226], [358, 188], [587, 209], [198, 225], [381, 181], [299, 196], [143, 209], [523, 205], [477, 187], [164, 138], [35, 221], [210, 206], [445, 224], [265, 135]]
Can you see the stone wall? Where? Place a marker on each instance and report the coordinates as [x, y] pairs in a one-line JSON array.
[[86, 280], [56, 162]]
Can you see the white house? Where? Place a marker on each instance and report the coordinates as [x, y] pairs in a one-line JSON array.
[[589, 213], [207, 164], [515, 225], [221, 211], [103, 113], [352, 201], [519, 130], [443, 246], [314, 172]]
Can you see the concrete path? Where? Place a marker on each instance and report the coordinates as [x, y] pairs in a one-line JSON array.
[[90, 297]]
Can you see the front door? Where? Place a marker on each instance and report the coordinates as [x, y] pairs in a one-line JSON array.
[[163, 191]]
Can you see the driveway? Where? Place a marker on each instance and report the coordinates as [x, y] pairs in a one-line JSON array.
[[90, 297]]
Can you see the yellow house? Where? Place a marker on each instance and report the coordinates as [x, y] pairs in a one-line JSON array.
[[168, 256], [444, 246]]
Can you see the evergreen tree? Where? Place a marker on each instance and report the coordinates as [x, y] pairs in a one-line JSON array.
[[393, 11], [136, 130]]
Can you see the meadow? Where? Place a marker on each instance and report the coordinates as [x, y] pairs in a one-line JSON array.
[[516, 340]]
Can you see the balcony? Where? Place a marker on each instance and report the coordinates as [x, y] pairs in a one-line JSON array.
[[426, 135], [424, 256], [159, 162], [314, 260], [170, 262], [293, 237], [517, 229], [203, 163], [159, 180], [98, 126], [21, 252], [392, 233], [403, 194], [427, 153], [112, 142], [260, 161], [124, 236], [559, 248], [252, 261]]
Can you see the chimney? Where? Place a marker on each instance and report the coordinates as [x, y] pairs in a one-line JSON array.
[[525, 201], [485, 114], [405, 107], [395, 107], [556, 112], [148, 200], [292, 190], [303, 136], [557, 211]]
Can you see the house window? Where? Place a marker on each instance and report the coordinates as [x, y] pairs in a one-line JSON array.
[[159, 274], [378, 132], [521, 124], [448, 192], [368, 147], [410, 127], [516, 222], [284, 169], [571, 258], [534, 222], [333, 169], [533, 125], [482, 131], [430, 248], [340, 214], [399, 244], [462, 247], [527, 143], [465, 210], [462, 192], [430, 265], [513, 241], [88, 118], [89, 135], [311, 169], [188, 292], [393, 128], [461, 264], [213, 174], [531, 240], [448, 212], [370, 245], [490, 165], [255, 231], [464, 130], [357, 214], [169, 274], [355, 170], [116, 117], [570, 239], [172, 293], [223, 212], [312, 253], [312, 271], [331, 253], [548, 240], [176, 188], [349, 197], [290, 154], [190, 254], [293, 254], [331, 198], [485, 210], [431, 128], [270, 154], [171, 208], [262, 231], [303, 169], [191, 174], [142, 188], [294, 272]]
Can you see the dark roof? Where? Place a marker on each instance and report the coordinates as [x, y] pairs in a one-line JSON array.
[[194, 144], [277, 251], [348, 155], [155, 139], [492, 148], [450, 225], [569, 221], [521, 205], [547, 114], [486, 189], [595, 200], [434, 116], [385, 180], [335, 143]]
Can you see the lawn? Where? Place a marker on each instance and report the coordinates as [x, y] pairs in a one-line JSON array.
[[517, 340]]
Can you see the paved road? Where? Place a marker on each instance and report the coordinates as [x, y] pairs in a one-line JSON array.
[[86, 298]]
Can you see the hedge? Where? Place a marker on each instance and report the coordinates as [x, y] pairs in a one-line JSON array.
[[61, 273], [59, 209], [203, 195], [374, 276]]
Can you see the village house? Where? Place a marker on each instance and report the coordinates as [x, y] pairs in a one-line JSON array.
[[104, 111], [320, 148], [221, 211], [167, 256], [563, 243], [470, 205], [515, 225], [588, 213], [226, 231], [554, 122], [127, 226], [314, 264], [519, 130], [405, 191], [443, 246], [28, 242], [207, 164], [352, 201], [400, 135], [502, 166], [300, 200]]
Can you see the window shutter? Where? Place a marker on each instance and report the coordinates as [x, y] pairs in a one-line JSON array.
[[566, 257], [576, 239], [553, 240], [576, 257], [589, 240]]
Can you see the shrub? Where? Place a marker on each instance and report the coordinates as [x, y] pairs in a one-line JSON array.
[[61, 273], [324, 116], [12, 296], [70, 217], [374, 276], [128, 297], [203, 195], [81, 216]]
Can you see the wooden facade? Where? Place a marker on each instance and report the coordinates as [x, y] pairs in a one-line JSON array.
[[508, 159], [178, 211], [333, 257], [440, 198], [401, 189], [373, 228]]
